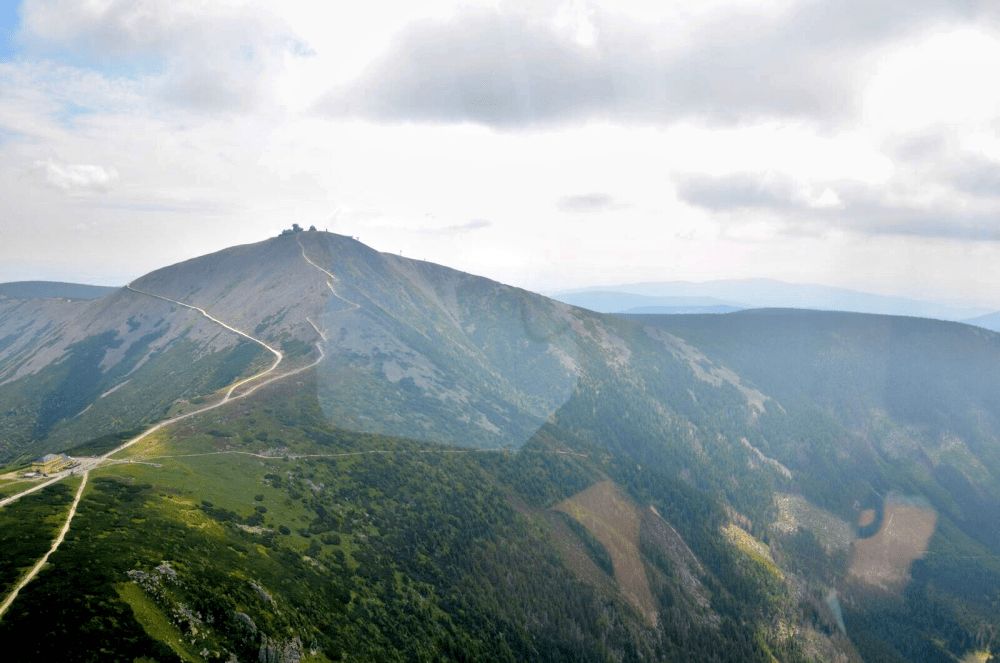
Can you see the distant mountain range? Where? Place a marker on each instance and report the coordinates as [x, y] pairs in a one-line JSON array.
[[667, 298], [989, 321], [727, 295]]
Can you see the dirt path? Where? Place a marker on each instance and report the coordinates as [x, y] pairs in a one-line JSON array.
[[331, 279], [366, 452], [16, 496], [30, 575], [278, 358], [343, 454], [227, 398]]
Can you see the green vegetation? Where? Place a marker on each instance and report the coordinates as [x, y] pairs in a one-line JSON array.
[[154, 621], [27, 528], [48, 407], [11, 487], [223, 539], [104, 443], [595, 550], [402, 554]]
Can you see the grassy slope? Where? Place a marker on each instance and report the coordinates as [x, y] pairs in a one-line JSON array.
[[44, 412], [27, 528], [404, 554]]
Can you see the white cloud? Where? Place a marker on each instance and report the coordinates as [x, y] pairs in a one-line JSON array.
[[507, 66], [936, 78], [182, 127], [214, 56], [74, 177]]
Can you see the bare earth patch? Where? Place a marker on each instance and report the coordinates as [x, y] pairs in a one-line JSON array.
[[883, 560], [614, 521], [574, 553]]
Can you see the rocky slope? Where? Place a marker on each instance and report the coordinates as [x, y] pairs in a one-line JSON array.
[[477, 470]]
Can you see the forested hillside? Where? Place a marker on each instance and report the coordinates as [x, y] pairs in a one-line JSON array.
[[441, 467]]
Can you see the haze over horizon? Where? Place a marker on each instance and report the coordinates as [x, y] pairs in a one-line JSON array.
[[744, 293], [575, 144]]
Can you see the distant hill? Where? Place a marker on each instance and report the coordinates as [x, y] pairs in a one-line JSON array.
[[760, 293], [53, 290], [989, 321], [613, 301], [681, 310]]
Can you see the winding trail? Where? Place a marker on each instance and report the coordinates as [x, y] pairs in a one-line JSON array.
[[34, 489], [317, 329], [366, 452], [331, 279], [30, 575], [227, 398], [278, 356]]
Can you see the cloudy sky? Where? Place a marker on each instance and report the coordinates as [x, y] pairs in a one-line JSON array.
[[546, 144]]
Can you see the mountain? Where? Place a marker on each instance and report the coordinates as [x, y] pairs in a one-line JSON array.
[[52, 290], [763, 293], [365, 457], [989, 321], [604, 301], [680, 310], [65, 366]]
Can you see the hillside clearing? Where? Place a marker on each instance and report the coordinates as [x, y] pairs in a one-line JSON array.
[[614, 521]]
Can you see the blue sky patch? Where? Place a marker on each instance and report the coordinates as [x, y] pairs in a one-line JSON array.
[[9, 21]]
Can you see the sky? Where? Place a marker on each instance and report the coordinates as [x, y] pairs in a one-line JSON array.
[[546, 144]]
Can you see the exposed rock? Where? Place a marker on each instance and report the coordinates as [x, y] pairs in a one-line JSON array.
[[280, 651], [264, 595], [245, 625], [167, 572]]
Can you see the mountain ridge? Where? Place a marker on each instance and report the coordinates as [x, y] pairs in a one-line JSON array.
[[769, 293], [52, 289], [487, 460]]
